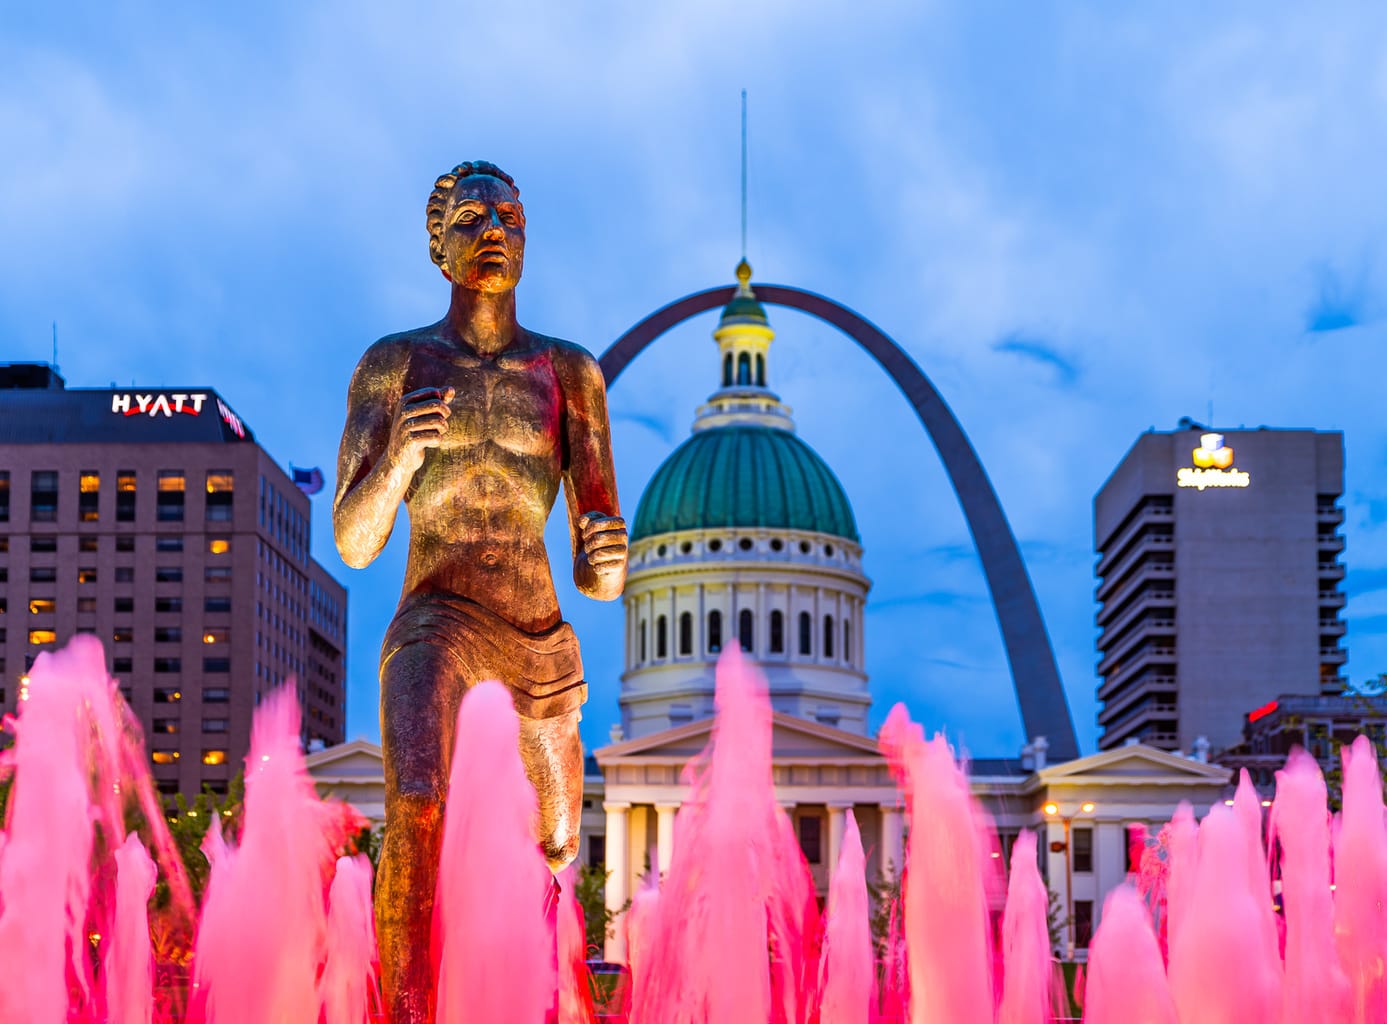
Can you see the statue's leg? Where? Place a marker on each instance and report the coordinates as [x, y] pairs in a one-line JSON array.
[[419, 704], [553, 754]]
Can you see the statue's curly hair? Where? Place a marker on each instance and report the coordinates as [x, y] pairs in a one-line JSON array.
[[442, 192]]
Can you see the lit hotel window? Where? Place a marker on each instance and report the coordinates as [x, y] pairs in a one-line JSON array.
[[164, 756], [125, 496], [41, 605], [221, 487], [218, 635], [42, 636], [170, 499], [89, 494], [214, 757], [87, 574], [218, 545]]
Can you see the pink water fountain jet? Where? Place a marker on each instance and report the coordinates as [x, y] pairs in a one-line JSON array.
[[730, 933]]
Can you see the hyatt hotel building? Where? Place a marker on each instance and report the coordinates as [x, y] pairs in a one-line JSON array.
[[152, 519], [1219, 570]]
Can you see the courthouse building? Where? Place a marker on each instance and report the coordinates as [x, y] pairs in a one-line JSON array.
[[1219, 565], [151, 518]]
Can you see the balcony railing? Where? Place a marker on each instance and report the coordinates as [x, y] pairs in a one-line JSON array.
[[1114, 586]]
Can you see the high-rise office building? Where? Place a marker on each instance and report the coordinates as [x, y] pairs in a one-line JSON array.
[[1218, 581], [151, 518]]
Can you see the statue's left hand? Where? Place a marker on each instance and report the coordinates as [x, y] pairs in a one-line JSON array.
[[602, 551]]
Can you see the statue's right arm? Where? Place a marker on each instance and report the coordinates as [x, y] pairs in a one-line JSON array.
[[370, 484]]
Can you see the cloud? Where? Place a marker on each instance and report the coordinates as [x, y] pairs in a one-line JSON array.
[[1363, 581], [928, 599], [1066, 372], [1337, 304], [657, 425]]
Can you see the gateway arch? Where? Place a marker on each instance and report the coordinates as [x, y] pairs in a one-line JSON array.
[[1039, 693]]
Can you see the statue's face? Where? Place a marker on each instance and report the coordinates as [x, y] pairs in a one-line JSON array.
[[483, 235]]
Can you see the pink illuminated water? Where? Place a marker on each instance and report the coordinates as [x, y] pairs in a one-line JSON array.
[[731, 932], [496, 953], [846, 979]]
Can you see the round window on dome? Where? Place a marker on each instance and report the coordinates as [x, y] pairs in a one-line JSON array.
[[686, 547], [804, 547], [662, 550], [715, 545], [745, 544], [828, 550], [777, 544]]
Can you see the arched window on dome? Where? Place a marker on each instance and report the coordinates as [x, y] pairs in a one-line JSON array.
[[847, 640], [828, 636], [727, 370], [714, 631], [760, 370], [777, 632], [661, 637], [685, 633], [806, 634], [745, 629], [641, 660], [744, 368]]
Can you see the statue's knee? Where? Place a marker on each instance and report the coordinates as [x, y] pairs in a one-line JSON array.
[[418, 808], [561, 847]]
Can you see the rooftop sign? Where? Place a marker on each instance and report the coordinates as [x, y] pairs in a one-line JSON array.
[[129, 403], [1213, 466]]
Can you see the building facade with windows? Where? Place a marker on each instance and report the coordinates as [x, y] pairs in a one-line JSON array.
[[1219, 566], [152, 519]]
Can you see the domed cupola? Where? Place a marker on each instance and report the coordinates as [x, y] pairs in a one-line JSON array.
[[744, 535]]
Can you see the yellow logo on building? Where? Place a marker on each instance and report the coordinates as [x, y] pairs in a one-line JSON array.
[[1213, 466], [1212, 452]]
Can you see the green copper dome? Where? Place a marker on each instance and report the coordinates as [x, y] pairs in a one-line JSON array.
[[744, 476]]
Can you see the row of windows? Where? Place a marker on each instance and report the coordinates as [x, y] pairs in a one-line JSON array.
[[86, 605], [126, 634], [164, 543], [746, 634], [122, 605], [174, 695], [283, 520], [744, 544], [743, 375], [213, 756], [126, 574], [172, 726], [170, 488]]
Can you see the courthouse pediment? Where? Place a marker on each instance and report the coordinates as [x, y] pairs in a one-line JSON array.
[[791, 739], [1134, 765], [359, 759]]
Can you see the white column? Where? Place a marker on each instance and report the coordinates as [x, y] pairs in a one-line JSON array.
[[617, 892], [763, 625], [664, 835], [837, 828], [892, 841]]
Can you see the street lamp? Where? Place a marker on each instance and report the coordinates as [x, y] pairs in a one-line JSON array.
[[1052, 811]]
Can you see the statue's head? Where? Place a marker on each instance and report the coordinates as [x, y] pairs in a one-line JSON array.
[[477, 227]]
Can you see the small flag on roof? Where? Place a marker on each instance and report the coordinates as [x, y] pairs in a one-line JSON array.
[[310, 481]]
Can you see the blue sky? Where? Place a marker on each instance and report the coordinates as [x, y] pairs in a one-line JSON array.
[[1080, 222]]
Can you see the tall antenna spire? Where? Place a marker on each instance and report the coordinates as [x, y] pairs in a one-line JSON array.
[[744, 175]]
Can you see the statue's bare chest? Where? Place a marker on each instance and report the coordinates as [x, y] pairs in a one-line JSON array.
[[513, 400]]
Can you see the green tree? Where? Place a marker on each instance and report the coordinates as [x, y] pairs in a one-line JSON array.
[[885, 902], [590, 890]]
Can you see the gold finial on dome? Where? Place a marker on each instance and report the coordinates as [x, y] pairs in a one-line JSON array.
[[743, 278]]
